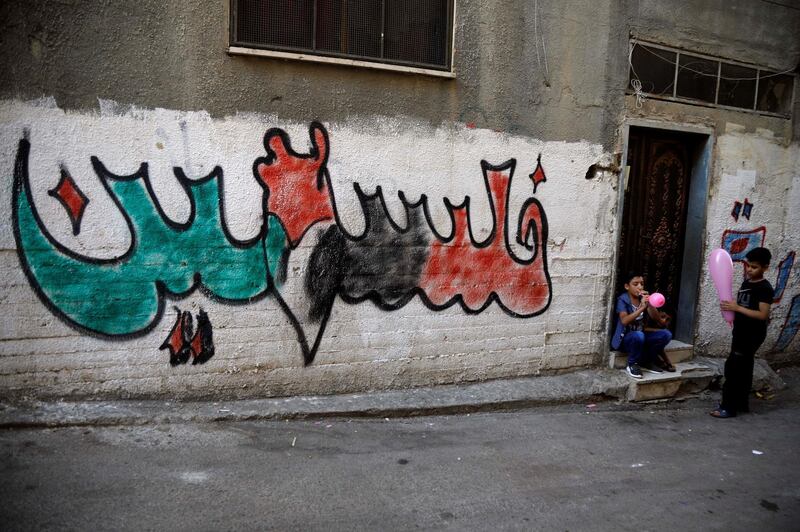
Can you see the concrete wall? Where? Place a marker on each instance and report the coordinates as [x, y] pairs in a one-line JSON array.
[[252, 207], [172, 55], [759, 170], [445, 268], [755, 158], [755, 162]]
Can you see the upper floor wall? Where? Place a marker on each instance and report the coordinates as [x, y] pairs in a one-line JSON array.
[[545, 69]]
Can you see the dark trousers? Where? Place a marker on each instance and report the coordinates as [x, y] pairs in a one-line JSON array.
[[739, 375], [644, 347]]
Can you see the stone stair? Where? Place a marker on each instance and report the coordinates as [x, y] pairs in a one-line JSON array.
[[675, 350], [690, 376]]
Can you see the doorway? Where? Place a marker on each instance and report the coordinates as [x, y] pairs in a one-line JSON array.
[[665, 184]]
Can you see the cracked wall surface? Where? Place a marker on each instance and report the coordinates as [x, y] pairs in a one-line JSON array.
[[362, 238]]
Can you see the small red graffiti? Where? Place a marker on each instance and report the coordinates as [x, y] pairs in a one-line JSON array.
[[480, 273], [297, 188], [538, 175], [739, 242], [739, 245], [72, 198], [185, 343], [176, 338]]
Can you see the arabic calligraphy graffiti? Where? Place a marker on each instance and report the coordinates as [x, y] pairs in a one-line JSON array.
[[387, 264], [124, 296]]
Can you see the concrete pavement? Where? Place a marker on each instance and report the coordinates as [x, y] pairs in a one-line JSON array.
[[578, 387], [577, 466]]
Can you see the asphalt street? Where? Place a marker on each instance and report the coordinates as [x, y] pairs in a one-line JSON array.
[[604, 466]]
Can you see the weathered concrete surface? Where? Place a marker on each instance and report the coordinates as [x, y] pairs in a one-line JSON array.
[[689, 377], [542, 72], [555, 74], [507, 394], [173, 55], [572, 467], [759, 33], [750, 32], [257, 351], [493, 395], [764, 377]]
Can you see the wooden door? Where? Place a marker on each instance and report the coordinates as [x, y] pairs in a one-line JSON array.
[[654, 212]]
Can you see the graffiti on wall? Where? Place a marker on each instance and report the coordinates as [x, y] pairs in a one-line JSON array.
[[124, 296], [742, 209], [388, 263], [784, 269], [790, 326], [184, 343], [739, 243]]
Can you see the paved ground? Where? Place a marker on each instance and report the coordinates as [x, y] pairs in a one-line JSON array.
[[571, 467]]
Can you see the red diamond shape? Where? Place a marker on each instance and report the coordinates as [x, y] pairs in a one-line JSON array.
[[71, 197], [538, 175]]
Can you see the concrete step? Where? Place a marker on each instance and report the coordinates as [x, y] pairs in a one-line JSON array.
[[675, 350], [689, 377]]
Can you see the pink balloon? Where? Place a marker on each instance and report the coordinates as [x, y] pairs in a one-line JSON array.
[[657, 299], [721, 267]]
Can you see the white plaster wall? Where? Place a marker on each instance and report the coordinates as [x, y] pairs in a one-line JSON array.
[[256, 348], [766, 171]]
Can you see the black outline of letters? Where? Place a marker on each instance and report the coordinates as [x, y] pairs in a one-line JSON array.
[[22, 185], [323, 176]]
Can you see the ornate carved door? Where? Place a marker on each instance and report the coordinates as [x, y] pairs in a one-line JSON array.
[[654, 213]]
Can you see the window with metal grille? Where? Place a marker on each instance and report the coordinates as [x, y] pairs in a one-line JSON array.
[[670, 74], [414, 33]]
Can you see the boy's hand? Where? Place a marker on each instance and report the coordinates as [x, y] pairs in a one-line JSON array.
[[729, 305], [645, 297]]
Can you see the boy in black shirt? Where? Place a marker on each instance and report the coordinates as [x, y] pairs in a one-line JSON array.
[[749, 330]]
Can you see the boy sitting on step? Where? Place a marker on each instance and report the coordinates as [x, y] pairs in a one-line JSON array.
[[643, 347]]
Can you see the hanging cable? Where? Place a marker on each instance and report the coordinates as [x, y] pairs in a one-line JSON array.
[[684, 67]]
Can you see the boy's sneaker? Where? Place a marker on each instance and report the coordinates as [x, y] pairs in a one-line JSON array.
[[634, 371], [652, 368]]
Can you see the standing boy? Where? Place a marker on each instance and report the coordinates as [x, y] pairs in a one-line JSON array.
[[643, 347], [749, 330]]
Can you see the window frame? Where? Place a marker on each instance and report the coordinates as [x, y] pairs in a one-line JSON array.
[[326, 57], [720, 61]]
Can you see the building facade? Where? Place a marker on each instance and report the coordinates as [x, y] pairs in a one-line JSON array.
[[240, 198]]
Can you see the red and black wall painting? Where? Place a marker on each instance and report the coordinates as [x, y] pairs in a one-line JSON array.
[[184, 343], [388, 263]]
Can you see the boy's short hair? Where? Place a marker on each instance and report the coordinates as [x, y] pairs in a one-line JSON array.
[[630, 274], [759, 255]]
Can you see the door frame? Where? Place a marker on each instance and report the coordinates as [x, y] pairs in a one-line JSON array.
[[697, 209]]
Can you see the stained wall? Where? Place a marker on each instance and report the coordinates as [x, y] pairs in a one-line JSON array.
[[180, 222]]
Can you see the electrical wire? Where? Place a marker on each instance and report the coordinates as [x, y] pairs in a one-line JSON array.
[[536, 39], [684, 67], [636, 83]]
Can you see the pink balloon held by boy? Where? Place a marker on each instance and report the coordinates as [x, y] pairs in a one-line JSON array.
[[656, 300], [644, 345], [720, 266]]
